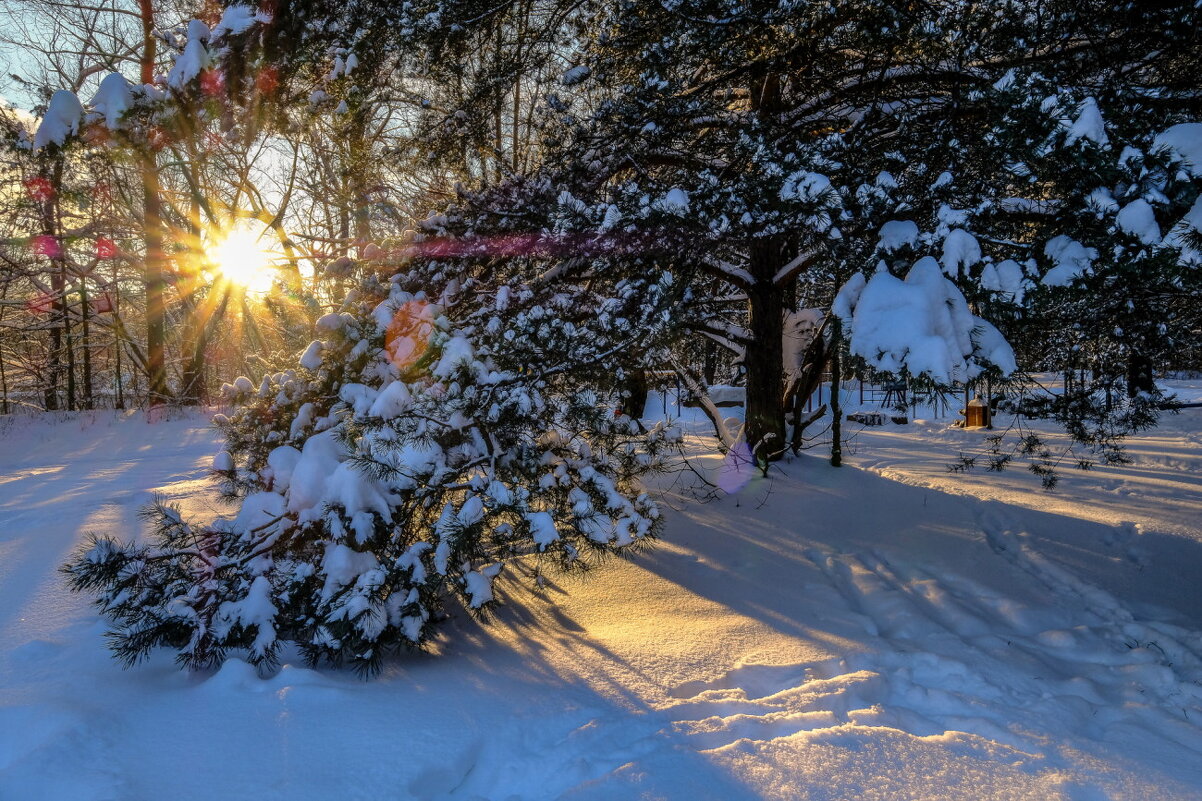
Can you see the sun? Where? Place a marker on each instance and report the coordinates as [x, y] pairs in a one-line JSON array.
[[243, 259]]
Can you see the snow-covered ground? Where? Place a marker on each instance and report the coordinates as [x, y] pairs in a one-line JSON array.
[[888, 630]]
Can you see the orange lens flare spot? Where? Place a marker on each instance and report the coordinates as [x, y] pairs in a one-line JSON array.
[[407, 337]]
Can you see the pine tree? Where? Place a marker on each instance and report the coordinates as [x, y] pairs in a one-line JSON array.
[[428, 439], [800, 142]]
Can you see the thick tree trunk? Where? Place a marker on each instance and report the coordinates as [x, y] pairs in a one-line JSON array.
[[763, 359]]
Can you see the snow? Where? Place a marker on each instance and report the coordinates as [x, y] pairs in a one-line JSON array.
[[1005, 278], [63, 116], [960, 251], [329, 323], [1088, 125], [922, 326], [1102, 200], [1070, 259], [223, 461], [805, 186], [800, 328], [392, 401], [255, 609], [542, 528], [1184, 141], [457, 351], [897, 234], [1178, 235], [676, 201], [1138, 219], [575, 75], [479, 585], [282, 462], [113, 98], [319, 459], [234, 20], [885, 630], [311, 358], [193, 60], [722, 394]]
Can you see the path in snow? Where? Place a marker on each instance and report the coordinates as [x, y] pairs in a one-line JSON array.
[[825, 634]]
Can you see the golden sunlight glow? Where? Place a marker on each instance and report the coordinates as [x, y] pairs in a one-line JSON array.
[[243, 259]]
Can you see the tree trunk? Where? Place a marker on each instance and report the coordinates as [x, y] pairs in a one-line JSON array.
[[765, 423], [58, 305], [152, 222], [1139, 375], [836, 406], [634, 399], [85, 335], [156, 287], [68, 339]]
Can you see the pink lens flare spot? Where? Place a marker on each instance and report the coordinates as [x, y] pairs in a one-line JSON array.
[[212, 82], [267, 80], [46, 245], [39, 189], [41, 304], [738, 468]]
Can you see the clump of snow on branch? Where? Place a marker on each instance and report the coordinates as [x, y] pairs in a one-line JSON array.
[[193, 60], [112, 100], [1139, 220], [238, 19], [1089, 125], [921, 326], [897, 234], [1070, 259], [1184, 141], [61, 121]]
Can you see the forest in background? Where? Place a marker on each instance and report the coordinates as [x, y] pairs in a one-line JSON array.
[[759, 155]]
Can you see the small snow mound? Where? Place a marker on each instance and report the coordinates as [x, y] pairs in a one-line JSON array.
[[234, 674], [61, 121], [897, 234], [1185, 142], [1138, 219], [311, 358], [1070, 259], [960, 251], [675, 202], [1089, 125], [113, 99], [234, 20]]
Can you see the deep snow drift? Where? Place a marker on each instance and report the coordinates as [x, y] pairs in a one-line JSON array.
[[887, 630]]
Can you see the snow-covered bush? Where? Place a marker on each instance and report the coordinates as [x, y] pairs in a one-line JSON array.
[[421, 443]]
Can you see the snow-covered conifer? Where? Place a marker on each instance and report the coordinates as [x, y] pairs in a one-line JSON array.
[[423, 444]]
